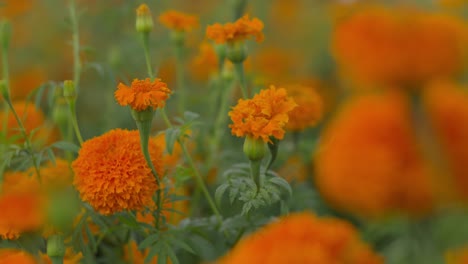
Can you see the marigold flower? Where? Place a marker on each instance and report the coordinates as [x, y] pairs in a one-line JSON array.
[[240, 30], [143, 94], [309, 108], [205, 63], [15, 256], [263, 116], [447, 106], [457, 256], [111, 173], [294, 169], [399, 47], [178, 21], [370, 149], [303, 238], [31, 116]]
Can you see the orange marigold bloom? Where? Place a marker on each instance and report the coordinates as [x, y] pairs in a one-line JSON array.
[[15, 256], [294, 169], [143, 94], [303, 238], [447, 106], [399, 47], [205, 63], [242, 29], [111, 173], [178, 21], [309, 108], [457, 256], [370, 149], [31, 116], [263, 116]]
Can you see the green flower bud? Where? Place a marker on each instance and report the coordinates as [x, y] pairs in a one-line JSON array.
[[254, 149], [144, 20], [177, 37], [55, 246], [69, 90], [4, 90], [237, 52]]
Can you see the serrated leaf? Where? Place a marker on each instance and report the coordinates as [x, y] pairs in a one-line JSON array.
[[150, 240], [281, 183], [172, 255], [51, 156], [220, 192], [162, 256], [67, 146], [182, 244], [155, 250], [246, 208], [171, 136], [233, 194], [190, 116]]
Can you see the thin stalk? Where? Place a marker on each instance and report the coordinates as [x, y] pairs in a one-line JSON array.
[[255, 173], [145, 37], [180, 77], [74, 121], [239, 68], [56, 260], [76, 44]]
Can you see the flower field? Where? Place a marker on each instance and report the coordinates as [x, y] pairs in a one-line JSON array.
[[234, 131]]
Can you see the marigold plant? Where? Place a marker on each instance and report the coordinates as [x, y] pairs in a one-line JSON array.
[[242, 29], [178, 21], [303, 238], [112, 175], [263, 116], [143, 94], [15, 256]]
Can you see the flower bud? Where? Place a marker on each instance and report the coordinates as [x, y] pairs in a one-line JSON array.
[[4, 90], [55, 246], [236, 52], [254, 149], [69, 90], [144, 20]]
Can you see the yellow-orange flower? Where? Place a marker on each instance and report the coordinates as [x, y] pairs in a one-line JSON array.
[[447, 106], [15, 256], [205, 63], [143, 94], [309, 108], [31, 116], [457, 256], [399, 47], [178, 21], [370, 148], [263, 116], [303, 238], [242, 29], [111, 173]]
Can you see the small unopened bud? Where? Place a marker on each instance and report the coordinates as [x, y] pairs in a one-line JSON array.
[[254, 149], [55, 246], [237, 52], [69, 90], [144, 20]]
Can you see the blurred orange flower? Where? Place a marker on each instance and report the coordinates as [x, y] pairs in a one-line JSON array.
[[303, 238], [294, 169], [457, 256], [24, 82], [447, 106], [178, 21], [370, 148], [70, 257], [309, 110], [143, 94], [399, 46], [15, 256], [242, 29], [31, 116], [263, 116], [204, 63], [111, 173]]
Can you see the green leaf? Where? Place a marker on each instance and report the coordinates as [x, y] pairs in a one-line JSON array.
[[281, 183], [220, 192], [51, 156], [150, 240], [67, 146], [171, 136], [190, 116], [178, 242]]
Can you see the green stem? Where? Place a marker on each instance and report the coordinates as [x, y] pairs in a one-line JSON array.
[[255, 173], [239, 67], [26, 138], [180, 76], [74, 121], [56, 260], [76, 44], [200, 182], [145, 38]]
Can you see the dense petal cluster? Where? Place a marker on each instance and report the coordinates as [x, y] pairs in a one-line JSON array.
[[303, 238], [242, 29], [398, 46], [143, 94], [111, 173], [263, 116], [178, 21], [447, 106], [15, 256], [368, 162], [309, 108]]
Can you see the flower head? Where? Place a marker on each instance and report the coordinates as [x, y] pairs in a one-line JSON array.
[[15, 256], [111, 173], [370, 148], [303, 238], [263, 116], [240, 30], [143, 94], [457, 256], [178, 21], [399, 47], [309, 108]]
